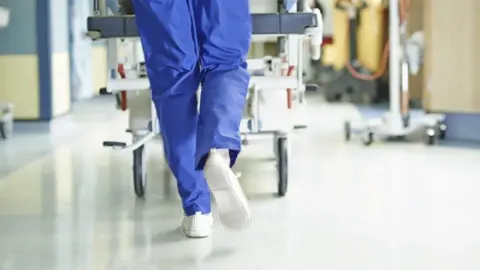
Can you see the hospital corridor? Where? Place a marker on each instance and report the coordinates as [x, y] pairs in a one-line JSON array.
[[349, 159], [71, 206]]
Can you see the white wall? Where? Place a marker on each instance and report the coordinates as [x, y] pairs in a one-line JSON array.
[[263, 6]]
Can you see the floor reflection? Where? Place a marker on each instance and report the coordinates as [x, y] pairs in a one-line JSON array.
[[348, 207]]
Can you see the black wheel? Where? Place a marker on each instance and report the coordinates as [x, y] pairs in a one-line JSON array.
[[367, 138], [282, 165], [347, 128], [430, 136], [6, 129], [442, 131], [139, 171]]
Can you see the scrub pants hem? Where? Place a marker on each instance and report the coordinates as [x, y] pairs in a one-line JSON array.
[[192, 210], [202, 157]]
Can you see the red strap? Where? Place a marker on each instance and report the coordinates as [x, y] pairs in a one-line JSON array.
[[290, 71], [123, 94]]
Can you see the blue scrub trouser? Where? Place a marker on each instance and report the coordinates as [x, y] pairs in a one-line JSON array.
[[188, 43]]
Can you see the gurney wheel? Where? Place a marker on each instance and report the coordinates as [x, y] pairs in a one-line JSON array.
[[430, 136], [282, 162], [367, 138], [442, 130], [139, 171]]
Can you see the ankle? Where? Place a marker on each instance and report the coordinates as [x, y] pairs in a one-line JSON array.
[[224, 153]]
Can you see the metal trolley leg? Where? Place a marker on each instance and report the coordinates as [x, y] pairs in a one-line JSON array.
[[281, 141], [143, 127]]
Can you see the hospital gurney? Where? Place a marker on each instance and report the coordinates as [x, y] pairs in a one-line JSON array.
[[131, 94]]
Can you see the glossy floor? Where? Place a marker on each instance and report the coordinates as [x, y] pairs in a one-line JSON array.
[[399, 206]]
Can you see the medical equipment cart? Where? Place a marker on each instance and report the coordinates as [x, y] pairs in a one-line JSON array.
[[405, 58], [132, 90]]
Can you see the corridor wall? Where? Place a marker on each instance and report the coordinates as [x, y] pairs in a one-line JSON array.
[[452, 65], [34, 59]]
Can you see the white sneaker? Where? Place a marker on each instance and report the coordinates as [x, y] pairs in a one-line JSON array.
[[231, 201], [198, 225]]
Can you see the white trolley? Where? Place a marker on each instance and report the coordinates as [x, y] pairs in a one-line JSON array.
[[132, 89], [405, 57]]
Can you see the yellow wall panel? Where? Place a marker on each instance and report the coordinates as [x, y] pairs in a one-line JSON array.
[[452, 57], [19, 84], [99, 67]]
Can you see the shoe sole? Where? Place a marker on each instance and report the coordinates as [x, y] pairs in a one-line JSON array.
[[231, 201], [196, 234]]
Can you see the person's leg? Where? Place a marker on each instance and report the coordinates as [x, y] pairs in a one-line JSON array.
[[167, 33], [224, 34]]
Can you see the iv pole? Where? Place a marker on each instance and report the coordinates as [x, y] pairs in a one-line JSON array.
[[397, 123]]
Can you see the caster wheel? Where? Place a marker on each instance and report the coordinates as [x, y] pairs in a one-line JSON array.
[[430, 136], [442, 131], [282, 160], [347, 128], [6, 129], [367, 139], [139, 171]]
